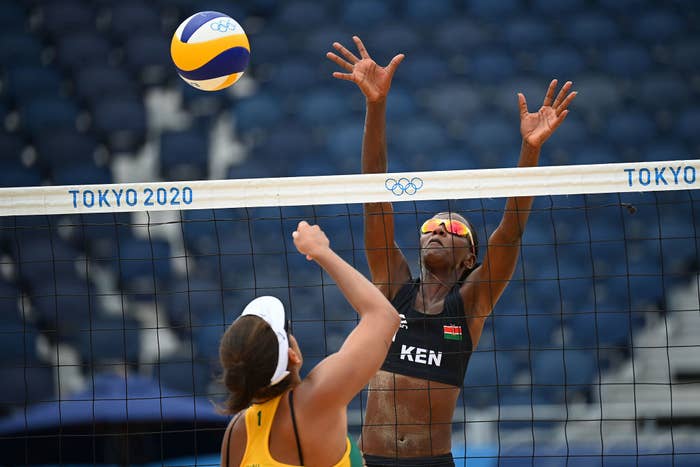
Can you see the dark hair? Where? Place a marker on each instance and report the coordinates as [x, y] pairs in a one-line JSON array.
[[248, 355]]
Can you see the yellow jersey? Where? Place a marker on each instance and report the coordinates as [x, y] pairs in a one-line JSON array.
[[258, 422]]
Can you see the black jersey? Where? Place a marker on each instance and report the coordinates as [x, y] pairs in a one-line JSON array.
[[432, 347]]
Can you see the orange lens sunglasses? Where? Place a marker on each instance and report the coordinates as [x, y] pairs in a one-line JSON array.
[[454, 227]]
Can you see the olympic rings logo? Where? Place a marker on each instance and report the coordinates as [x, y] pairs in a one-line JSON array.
[[404, 185], [223, 25]]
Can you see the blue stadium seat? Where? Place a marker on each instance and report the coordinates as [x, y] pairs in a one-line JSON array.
[[684, 54], [665, 150], [557, 373], [494, 133], [622, 6], [196, 302], [110, 341], [602, 93], [363, 14], [270, 47], [11, 147], [688, 124], [346, 141], [259, 111], [65, 306], [13, 17], [181, 373], [13, 173], [206, 342], [148, 55], [27, 82], [65, 16], [204, 230], [459, 35], [388, 39], [64, 147], [520, 332], [322, 106], [42, 258], [490, 66], [488, 10], [418, 136], [572, 133], [605, 330], [663, 91], [455, 100], [630, 128], [82, 174], [184, 155], [563, 62], [300, 15], [134, 18], [626, 59], [658, 25], [401, 103], [320, 40], [526, 32], [26, 384], [81, 49], [42, 113], [20, 48], [143, 266], [121, 122], [281, 140], [488, 373], [596, 153], [422, 70], [293, 75], [591, 28], [428, 11], [94, 82], [559, 9], [97, 233]]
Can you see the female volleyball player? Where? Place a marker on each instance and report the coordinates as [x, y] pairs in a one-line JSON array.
[[411, 401], [284, 420]]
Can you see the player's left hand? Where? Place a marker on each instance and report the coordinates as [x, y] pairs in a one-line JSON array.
[[373, 80], [537, 127]]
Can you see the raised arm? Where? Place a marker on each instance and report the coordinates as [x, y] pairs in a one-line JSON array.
[[387, 264], [339, 377], [486, 283]]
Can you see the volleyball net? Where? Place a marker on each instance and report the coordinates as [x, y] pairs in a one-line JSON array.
[[113, 299]]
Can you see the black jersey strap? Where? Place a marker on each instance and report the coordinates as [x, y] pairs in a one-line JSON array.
[[294, 424]]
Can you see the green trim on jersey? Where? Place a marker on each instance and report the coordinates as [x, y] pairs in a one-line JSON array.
[[355, 455]]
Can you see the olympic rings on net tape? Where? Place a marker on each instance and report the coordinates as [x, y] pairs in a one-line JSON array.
[[403, 185]]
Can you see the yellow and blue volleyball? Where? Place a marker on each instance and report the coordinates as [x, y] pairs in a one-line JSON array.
[[210, 50]]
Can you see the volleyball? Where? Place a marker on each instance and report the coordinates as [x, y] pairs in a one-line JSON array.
[[210, 50]]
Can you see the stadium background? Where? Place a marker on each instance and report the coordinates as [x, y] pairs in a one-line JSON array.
[[88, 95]]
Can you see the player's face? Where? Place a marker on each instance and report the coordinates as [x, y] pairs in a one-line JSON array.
[[446, 230]]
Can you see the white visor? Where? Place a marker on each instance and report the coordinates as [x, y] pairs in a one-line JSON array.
[[272, 311]]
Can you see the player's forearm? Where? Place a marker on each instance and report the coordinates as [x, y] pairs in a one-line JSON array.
[[358, 290], [517, 209], [374, 154]]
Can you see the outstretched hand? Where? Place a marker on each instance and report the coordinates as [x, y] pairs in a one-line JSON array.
[[373, 80], [537, 127], [310, 240]]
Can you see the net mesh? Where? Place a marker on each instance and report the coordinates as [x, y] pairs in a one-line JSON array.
[[109, 328]]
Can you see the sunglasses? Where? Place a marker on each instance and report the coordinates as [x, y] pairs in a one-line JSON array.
[[452, 226]]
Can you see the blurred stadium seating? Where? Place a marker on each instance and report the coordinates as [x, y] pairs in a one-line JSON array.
[[79, 88]]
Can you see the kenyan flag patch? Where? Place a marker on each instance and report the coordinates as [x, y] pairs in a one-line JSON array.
[[452, 333]]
